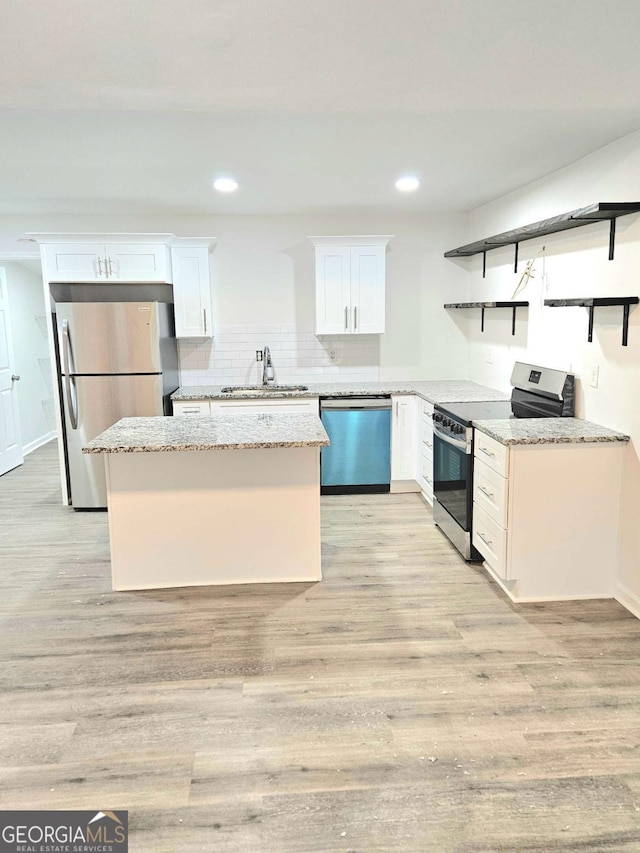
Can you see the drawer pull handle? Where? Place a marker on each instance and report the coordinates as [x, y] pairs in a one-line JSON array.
[[485, 492], [430, 446], [488, 452], [488, 542]]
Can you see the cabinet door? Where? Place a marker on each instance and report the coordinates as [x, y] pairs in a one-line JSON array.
[[333, 297], [74, 262], [192, 292], [138, 262], [367, 289], [403, 438]]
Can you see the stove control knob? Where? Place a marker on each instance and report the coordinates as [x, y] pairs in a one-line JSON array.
[[458, 428], [448, 422]]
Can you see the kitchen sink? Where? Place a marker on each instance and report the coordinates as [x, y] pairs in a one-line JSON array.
[[250, 390]]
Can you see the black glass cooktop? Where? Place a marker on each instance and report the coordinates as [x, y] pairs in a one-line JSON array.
[[464, 413]]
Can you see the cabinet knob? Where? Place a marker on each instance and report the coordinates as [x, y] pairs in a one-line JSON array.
[[15, 377]]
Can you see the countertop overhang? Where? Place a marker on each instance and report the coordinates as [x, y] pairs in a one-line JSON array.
[[548, 431], [220, 432]]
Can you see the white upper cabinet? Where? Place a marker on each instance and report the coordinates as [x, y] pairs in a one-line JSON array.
[[192, 288], [125, 258], [350, 285]]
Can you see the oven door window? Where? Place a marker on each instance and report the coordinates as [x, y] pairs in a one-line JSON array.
[[451, 480]]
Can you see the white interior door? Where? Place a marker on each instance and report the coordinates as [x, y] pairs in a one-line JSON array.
[[10, 443]]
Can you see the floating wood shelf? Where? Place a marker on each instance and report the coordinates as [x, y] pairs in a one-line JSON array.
[[599, 302], [598, 212], [483, 305]]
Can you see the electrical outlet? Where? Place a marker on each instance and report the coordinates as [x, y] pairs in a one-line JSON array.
[[332, 355], [489, 355], [258, 355], [595, 373]]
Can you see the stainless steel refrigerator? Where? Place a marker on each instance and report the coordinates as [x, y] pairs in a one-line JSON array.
[[115, 360]]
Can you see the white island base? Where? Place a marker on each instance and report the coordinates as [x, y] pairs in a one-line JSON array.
[[201, 517]]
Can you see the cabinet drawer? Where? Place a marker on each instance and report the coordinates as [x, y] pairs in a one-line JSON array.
[[426, 438], [491, 540], [284, 405], [492, 453], [425, 476], [191, 407], [426, 471], [426, 409], [490, 491]]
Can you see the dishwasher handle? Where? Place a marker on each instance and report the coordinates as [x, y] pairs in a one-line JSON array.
[[349, 403]]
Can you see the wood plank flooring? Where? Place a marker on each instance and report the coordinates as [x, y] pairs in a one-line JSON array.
[[401, 704]]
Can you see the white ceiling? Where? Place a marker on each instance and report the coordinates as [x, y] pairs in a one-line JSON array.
[[313, 105]]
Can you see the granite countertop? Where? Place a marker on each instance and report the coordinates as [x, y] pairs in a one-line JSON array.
[[547, 431], [434, 391], [222, 432]]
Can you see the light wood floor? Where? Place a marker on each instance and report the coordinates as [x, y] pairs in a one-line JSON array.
[[401, 704]]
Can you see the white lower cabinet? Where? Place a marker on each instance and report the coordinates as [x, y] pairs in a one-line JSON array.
[[404, 432], [204, 408], [425, 449], [284, 405], [546, 516]]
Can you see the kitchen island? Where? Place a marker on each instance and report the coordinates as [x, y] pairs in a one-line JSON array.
[[213, 500]]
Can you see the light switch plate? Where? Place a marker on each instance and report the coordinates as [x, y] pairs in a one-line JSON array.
[[595, 374]]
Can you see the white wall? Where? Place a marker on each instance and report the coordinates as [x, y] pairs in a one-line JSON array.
[[30, 354], [576, 265], [263, 268]]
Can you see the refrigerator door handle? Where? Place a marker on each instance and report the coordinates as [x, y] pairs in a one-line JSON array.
[[67, 373]]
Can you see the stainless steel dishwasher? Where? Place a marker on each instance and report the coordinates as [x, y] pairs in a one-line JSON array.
[[359, 456]]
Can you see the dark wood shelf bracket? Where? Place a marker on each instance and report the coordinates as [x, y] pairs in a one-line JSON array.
[[483, 305], [598, 302]]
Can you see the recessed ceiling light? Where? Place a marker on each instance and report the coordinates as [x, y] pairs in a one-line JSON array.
[[225, 185], [407, 184]]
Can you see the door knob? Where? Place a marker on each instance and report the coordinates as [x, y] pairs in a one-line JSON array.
[[15, 378]]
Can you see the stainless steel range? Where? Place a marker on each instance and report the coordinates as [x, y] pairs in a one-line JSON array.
[[538, 392]]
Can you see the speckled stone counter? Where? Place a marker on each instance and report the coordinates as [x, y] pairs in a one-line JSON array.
[[222, 432], [231, 499], [547, 431], [434, 391]]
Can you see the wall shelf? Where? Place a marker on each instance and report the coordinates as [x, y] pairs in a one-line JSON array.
[[482, 305], [598, 302], [599, 212]]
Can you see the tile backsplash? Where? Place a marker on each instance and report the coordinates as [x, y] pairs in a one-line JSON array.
[[297, 356]]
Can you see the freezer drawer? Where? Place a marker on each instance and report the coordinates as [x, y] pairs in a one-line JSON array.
[[111, 337], [98, 402]]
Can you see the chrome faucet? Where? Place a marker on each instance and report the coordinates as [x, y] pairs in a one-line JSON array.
[[267, 366]]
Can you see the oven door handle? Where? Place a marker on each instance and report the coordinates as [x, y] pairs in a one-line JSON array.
[[458, 443]]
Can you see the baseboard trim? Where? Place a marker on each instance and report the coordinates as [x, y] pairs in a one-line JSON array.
[[39, 442], [403, 486], [628, 599]]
